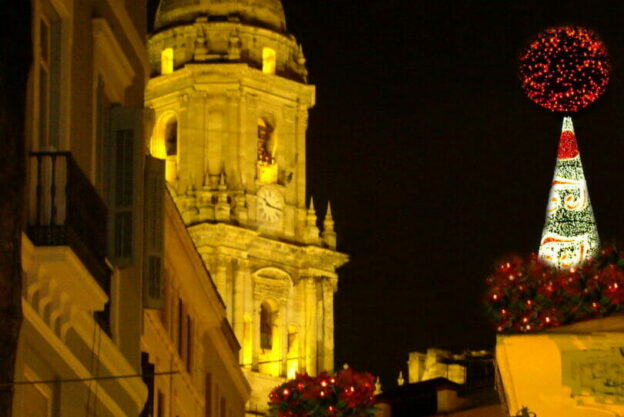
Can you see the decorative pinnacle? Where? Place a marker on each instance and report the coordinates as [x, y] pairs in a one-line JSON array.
[[400, 379], [312, 232], [311, 216], [222, 184], [300, 56], [329, 235], [377, 387], [328, 215]]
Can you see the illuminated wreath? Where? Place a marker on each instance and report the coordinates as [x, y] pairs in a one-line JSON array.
[[565, 69]]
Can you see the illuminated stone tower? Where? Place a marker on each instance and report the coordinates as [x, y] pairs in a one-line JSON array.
[[231, 100]]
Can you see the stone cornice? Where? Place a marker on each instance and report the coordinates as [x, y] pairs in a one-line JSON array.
[[244, 243], [206, 77]]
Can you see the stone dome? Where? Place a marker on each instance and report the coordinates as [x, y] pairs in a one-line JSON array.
[[263, 13]]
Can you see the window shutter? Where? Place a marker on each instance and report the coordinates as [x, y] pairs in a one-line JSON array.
[[124, 153], [154, 218]]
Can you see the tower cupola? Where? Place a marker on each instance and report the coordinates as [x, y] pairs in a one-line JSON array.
[[251, 32], [263, 13]]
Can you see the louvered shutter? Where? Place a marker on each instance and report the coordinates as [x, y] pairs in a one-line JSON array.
[[153, 271], [124, 148]]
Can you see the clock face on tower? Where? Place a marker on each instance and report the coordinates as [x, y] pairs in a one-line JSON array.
[[270, 205]]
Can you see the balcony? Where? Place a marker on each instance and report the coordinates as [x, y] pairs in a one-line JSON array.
[[66, 210]]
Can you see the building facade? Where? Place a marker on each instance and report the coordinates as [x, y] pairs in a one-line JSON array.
[[83, 246], [190, 336], [231, 99]]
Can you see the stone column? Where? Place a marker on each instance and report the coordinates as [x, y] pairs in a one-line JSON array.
[[249, 321], [328, 325], [238, 305], [228, 297], [310, 326], [256, 335], [284, 338], [320, 324], [300, 149]]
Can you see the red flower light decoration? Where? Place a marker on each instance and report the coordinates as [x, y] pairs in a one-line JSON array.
[[525, 294], [565, 69], [349, 394]]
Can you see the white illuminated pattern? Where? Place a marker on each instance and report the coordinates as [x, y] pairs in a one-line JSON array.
[[570, 235]]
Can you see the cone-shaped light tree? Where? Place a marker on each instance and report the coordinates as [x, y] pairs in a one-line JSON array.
[[570, 234], [565, 69]]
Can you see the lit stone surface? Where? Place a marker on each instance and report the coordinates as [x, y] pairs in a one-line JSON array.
[[269, 13], [572, 371], [240, 101]]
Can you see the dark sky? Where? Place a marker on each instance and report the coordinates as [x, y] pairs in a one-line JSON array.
[[435, 163]]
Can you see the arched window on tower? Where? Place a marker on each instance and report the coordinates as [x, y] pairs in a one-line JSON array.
[[171, 137], [164, 144], [269, 58], [166, 61], [267, 322], [266, 145]]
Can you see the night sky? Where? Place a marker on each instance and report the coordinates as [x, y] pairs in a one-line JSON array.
[[434, 161]]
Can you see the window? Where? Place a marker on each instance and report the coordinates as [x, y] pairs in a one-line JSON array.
[[266, 327], [266, 145], [180, 328], [48, 77], [189, 343], [184, 335], [160, 405], [268, 60], [208, 394], [216, 403], [265, 142], [171, 137], [166, 61], [164, 144]]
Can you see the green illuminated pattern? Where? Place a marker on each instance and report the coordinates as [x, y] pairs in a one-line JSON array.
[[570, 235]]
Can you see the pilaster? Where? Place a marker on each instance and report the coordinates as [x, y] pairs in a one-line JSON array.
[[328, 324], [311, 325]]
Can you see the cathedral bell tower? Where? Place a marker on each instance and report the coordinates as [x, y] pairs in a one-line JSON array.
[[230, 93]]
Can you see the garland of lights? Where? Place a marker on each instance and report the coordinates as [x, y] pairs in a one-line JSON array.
[[348, 394], [526, 294], [565, 69]]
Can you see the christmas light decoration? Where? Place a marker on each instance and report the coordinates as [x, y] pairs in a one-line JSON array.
[[526, 294], [570, 235], [348, 394], [565, 69]]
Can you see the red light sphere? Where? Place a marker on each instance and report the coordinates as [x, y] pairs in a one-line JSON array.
[[565, 69]]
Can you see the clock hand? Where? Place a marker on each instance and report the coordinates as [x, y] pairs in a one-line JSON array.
[[272, 206], [269, 204]]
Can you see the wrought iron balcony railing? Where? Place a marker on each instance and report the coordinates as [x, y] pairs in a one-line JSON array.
[[66, 210]]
